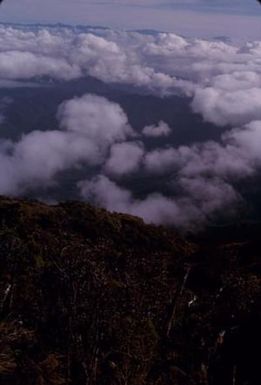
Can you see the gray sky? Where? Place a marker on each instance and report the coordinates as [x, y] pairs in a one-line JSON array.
[[237, 18]]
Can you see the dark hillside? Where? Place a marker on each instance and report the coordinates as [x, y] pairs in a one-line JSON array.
[[89, 297]]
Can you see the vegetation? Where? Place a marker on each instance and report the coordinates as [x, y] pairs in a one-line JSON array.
[[89, 297]]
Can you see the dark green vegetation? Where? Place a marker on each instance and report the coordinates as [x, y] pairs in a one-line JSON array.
[[89, 297]]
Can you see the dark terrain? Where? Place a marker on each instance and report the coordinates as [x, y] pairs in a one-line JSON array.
[[89, 297]]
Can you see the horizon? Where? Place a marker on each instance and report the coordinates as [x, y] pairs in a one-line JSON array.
[[161, 125], [193, 18]]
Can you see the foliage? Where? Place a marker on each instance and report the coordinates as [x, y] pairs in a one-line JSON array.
[[89, 297]]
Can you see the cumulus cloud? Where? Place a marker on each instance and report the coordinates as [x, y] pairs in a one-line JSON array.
[[161, 129], [26, 65], [224, 107], [162, 62], [103, 122], [221, 79], [66, 54], [205, 173], [236, 156], [89, 125], [202, 179], [188, 211], [155, 208], [124, 158]]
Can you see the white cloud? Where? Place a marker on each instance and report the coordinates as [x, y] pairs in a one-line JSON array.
[[89, 126], [222, 79], [154, 209], [162, 62], [124, 158], [236, 157], [162, 129], [209, 195], [248, 139], [101, 121], [161, 161], [65, 54], [26, 65], [204, 173], [224, 107], [37, 158], [189, 211]]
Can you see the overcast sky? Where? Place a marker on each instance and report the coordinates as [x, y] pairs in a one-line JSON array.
[[236, 18]]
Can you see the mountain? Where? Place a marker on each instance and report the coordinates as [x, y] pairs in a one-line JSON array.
[[92, 297]]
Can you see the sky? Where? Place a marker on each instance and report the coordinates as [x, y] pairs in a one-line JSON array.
[[202, 18]]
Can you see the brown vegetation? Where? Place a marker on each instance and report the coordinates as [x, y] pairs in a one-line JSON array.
[[89, 297]]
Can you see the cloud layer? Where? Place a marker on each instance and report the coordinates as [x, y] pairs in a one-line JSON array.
[[222, 80], [88, 127]]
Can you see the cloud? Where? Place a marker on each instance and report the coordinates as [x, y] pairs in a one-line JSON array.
[[209, 195], [237, 156], [65, 54], [101, 121], [224, 107], [37, 158], [184, 212], [26, 65], [204, 173], [162, 129], [89, 125], [155, 208], [160, 62], [124, 158], [247, 139], [221, 80]]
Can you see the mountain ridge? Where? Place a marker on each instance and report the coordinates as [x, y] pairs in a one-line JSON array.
[[92, 297]]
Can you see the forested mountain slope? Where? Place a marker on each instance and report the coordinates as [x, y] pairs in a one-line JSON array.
[[90, 297]]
